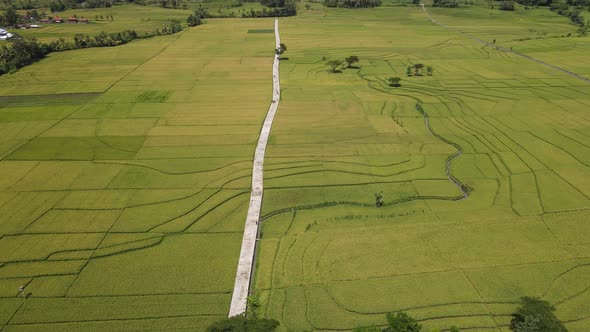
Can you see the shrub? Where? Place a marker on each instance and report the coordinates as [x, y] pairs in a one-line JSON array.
[[401, 322], [243, 324], [394, 81], [507, 5]]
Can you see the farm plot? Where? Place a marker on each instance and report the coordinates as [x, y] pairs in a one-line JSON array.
[[126, 177], [329, 259]]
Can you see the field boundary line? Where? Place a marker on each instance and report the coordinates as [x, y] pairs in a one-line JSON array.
[[503, 49], [241, 290]]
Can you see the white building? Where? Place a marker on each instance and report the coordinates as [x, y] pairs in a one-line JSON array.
[[5, 34]]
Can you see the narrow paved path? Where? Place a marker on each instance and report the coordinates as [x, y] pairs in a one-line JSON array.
[[244, 274], [503, 49]]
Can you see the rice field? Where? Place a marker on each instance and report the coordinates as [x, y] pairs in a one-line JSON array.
[[330, 260], [126, 175], [125, 180]]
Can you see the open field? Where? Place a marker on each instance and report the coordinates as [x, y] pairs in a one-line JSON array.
[[330, 260], [125, 180], [126, 174]]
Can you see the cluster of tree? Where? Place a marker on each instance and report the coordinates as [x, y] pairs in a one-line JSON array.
[[353, 3], [22, 4], [196, 18], [273, 3], [575, 3], [287, 9], [173, 4], [61, 5], [535, 315], [445, 3], [418, 70], [337, 65], [507, 5], [10, 17], [399, 322], [243, 324], [21, 53], [574, 13]]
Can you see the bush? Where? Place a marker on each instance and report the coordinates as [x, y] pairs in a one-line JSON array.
[[353, 3], [401, 322], [243, 324], [507, 5], [446, 3], [394, 81]]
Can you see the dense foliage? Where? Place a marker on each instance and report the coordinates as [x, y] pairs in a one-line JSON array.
[[445, 3], [20, 54], [535, 315], [507, 5], [353, 3], [243, 324], [401, 322], [285, 8]]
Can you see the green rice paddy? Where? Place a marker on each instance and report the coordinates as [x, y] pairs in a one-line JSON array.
[[126, 175]]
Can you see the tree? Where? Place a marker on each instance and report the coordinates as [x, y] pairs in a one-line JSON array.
[[535, 315], [351, 60], [454, 329], [335, 64], [379, 199], [194, 19], [529, 324], [418, 69], [243, 324], [429, 70], [11, 17], [401, 322], [307, 6], [281, 49], [409, 71], [394, 81]]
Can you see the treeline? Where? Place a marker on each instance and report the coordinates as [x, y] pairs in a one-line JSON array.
[[574, 13], [21, 53], [353, 3], [275, 8], [61, 5], [445, 3]]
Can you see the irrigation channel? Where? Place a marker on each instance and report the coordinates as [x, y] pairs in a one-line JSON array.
[[239, 298], [503, 49]]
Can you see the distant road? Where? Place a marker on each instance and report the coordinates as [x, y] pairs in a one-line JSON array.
[[503, 49], [239, 298]]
